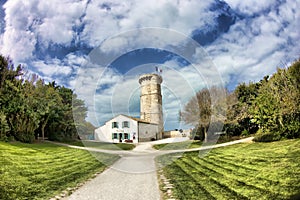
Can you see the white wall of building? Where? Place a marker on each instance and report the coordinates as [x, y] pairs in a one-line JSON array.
[[106, 132], [173, 134]]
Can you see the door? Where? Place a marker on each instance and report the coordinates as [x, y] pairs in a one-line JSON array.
[[120, 137]]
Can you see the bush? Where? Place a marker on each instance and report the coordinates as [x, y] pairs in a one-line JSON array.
[[245, 132], [26, 137], [266, 137], [232, 129]]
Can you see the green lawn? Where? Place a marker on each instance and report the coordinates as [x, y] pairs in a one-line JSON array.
[[242, 171], [41, 171], [178, 145], [103, 145]]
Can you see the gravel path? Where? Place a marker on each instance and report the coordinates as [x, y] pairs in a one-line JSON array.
[[133, 177]]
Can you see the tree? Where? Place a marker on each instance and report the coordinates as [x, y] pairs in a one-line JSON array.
[[29, 107], [276, 108], [70, 116], [18, 105], [49, 99], [7, 71], [239, 102], [198, 111], [4, 127], [207, 107], [79, 115]]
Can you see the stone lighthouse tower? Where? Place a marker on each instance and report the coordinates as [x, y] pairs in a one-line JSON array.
[[151, 101]]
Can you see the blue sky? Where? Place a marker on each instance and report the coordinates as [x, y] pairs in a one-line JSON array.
[[245, 40]]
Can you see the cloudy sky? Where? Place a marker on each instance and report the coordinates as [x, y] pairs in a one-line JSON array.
[[100, 48]]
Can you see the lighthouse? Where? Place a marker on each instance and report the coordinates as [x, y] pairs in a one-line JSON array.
[[151, 101]]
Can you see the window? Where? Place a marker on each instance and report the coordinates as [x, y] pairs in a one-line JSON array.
[[114, 125], [126, 136], [115, 136], [125, 124], [134, 135]]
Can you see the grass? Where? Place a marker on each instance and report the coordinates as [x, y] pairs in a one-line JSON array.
[[190, 144], [43, 170], [242, 171], [178, 145], [103, 145], [225, 138]]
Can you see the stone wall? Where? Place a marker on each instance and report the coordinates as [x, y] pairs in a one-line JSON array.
[[147, 132]]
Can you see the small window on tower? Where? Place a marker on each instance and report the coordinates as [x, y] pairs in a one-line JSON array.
[[114, 125], [126, 124]]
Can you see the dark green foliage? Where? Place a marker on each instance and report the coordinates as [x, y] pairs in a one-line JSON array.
[[292, 128], [4, 127], [245, 93], [245, 133], [31, 108], [239, 102], [266, 137], [232, 129], [8, 71], [271, 106], [276, 109]]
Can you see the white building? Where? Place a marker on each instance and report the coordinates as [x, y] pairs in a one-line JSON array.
[[123, 128], [177, 133]]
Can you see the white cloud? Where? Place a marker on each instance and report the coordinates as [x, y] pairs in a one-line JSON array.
[[74, 60], [17, 44], [177, 15], [101, 23], [251, 7], [53, 68], [254, 47], [28, 22]]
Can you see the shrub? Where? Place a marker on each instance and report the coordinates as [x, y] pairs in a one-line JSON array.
[[266, 137], [27, 137], [233, 129], [245, 132]]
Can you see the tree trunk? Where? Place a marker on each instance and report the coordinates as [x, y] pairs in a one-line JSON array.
[[205, 135], [43, 132], [43, 127]]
